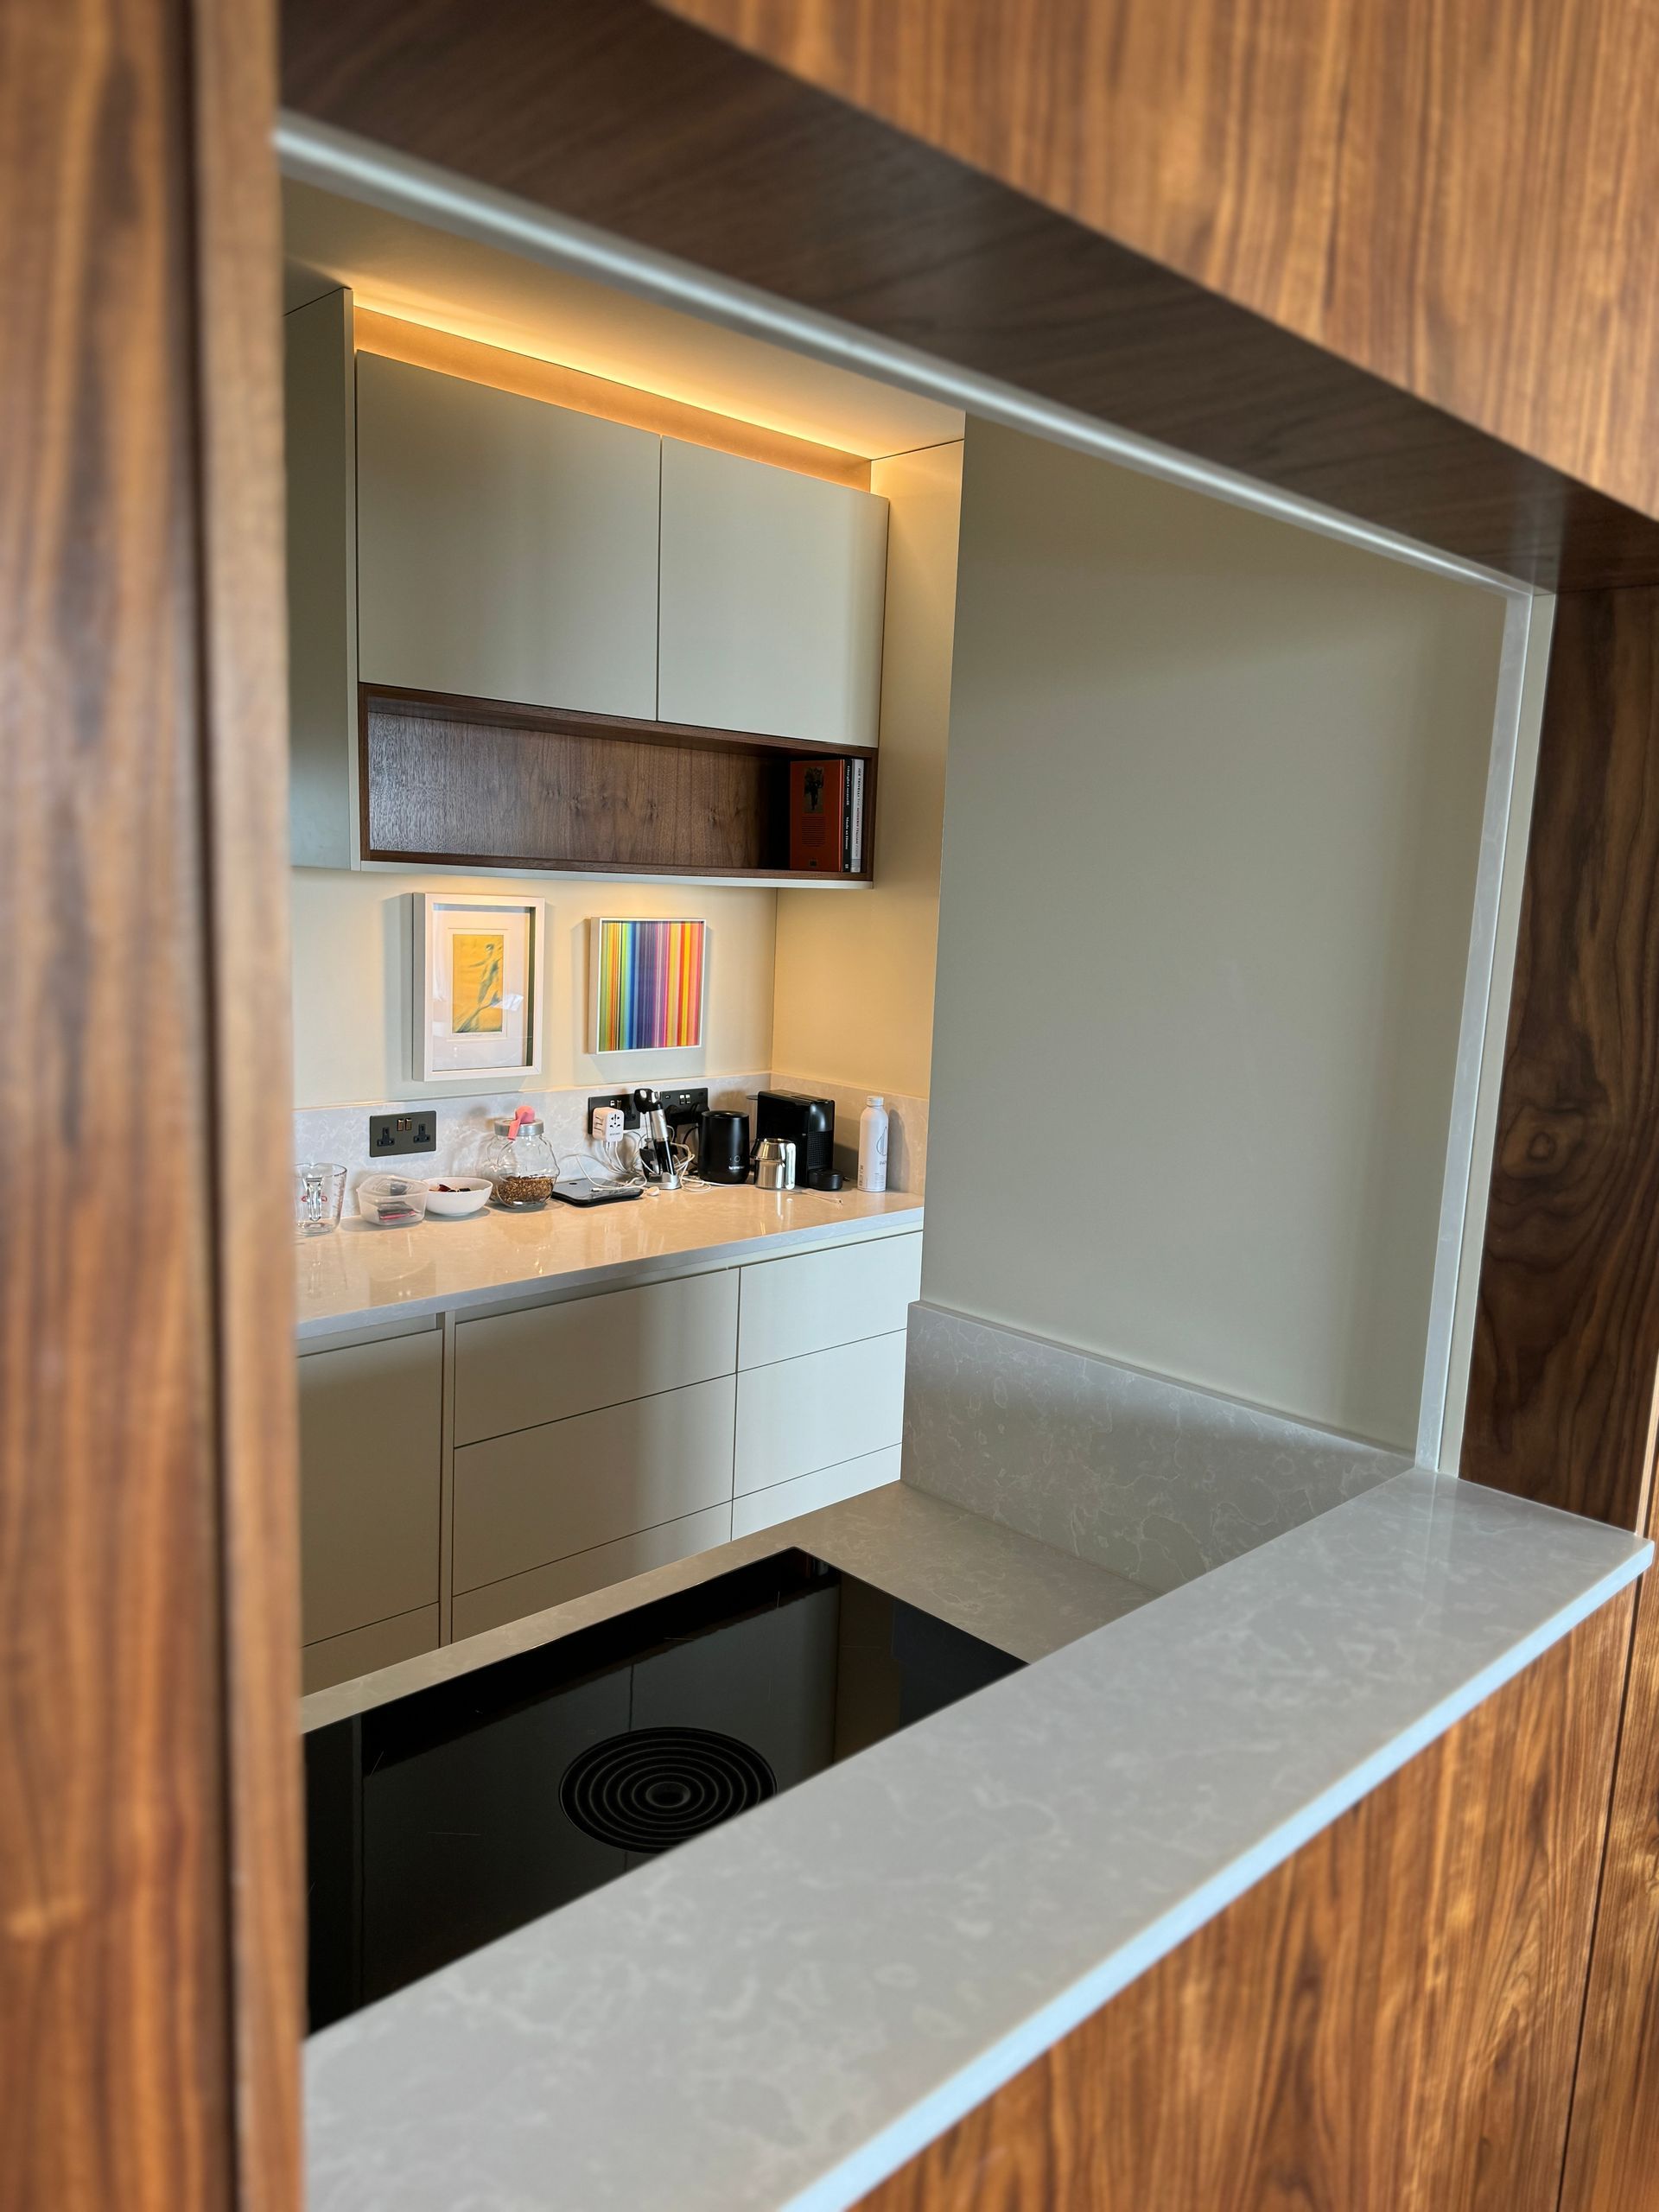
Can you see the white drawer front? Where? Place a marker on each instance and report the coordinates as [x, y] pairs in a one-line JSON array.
[[595, 1570], [815, 1299], [524, 1500], [801, 1415], [514, 1370], [765, 1509]]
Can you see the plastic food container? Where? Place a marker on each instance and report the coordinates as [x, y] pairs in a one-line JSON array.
[[391, 1201], [456, 1195]]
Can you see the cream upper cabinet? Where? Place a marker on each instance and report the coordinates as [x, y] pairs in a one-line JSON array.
[[773, 594], [506, 548]]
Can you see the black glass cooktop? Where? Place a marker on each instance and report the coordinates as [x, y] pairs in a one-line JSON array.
[[448, 1818]]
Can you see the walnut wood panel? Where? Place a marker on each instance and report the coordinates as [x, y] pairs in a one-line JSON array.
[[467, 784], [1385, 2024], [453, 355], [1566, 1335], [626, 118], [247, 1198], [148, 1901], [1439, 191], [1612, 2157]]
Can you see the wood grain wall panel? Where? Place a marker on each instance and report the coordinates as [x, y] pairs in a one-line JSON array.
[[148, 1892], [248, 990], [1461, 196], [1612, 2155], [1385, 2024], [1567, 1338], [626, 118], [467, 792]]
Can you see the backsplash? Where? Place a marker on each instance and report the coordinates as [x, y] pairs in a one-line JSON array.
[[1157, 1480], [341, 1132]]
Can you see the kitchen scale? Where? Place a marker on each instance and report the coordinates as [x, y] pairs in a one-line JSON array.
[[450, 1817]]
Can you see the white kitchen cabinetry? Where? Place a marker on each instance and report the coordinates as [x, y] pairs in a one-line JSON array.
[[772, 591], [506, 548], [814, 1300], [451, 540], [371, 1447], [538, 1496], [804, 1414], [765, 1509], [587, 1438], [545, 1362], [564, 1578]]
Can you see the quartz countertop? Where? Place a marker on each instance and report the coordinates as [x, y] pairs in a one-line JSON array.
[[361, 1274], [800, 2000]]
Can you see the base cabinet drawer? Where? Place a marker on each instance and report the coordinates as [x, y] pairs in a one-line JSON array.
[[477, 1610], [524, 1500], [815, 1299], [371, 1444], [516, 1370], [765, 1509], [800, 1414], [342, 1658]]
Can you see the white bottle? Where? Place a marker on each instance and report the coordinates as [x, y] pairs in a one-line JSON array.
[[873, 1147]]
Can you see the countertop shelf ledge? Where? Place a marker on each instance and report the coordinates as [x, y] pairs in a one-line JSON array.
[[802, 1999], [363, 1275]]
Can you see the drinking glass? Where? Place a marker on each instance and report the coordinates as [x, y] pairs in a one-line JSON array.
[[319, 1191]]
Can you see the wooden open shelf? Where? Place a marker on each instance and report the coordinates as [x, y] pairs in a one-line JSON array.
[[481, 783]]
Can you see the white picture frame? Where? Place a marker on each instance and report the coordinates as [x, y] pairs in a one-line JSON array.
[[494, 1040]]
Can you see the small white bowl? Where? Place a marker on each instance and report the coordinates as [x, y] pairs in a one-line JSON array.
[[466, 1194]]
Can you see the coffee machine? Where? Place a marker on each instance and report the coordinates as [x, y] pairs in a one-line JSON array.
[[807, 1123]]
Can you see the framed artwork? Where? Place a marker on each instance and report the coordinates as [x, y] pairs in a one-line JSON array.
[[649, 990], [477, 967]]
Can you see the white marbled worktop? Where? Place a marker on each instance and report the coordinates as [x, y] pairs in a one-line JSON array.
[[361, 1274], [783, 2012]]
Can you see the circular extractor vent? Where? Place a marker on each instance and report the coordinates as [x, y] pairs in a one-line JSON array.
[[657, 1786]]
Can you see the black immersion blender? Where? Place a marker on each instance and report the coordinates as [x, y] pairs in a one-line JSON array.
[[656, 1160]]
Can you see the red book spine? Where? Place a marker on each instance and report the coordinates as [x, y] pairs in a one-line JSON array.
[[817, 803]]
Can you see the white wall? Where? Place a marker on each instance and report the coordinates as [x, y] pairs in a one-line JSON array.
[[1212, 830], [855, 979], [352, 956]]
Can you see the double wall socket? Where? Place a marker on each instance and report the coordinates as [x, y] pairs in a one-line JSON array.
[[390, 1134]]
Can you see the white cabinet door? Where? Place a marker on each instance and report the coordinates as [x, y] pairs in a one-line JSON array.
[[370, 1446], [506, 549], [772, 592]]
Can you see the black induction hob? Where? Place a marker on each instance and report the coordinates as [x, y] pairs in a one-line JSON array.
[[451, 1816]]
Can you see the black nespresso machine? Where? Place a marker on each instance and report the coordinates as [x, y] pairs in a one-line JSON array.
[[807, 1123]]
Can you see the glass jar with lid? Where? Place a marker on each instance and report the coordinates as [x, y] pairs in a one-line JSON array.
[[521, 1163]]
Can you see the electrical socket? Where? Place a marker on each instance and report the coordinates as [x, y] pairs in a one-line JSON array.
[[622, 1099], [390, 1134], [687, 1105]]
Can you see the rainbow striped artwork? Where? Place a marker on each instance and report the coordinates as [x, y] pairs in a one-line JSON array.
[[648, 986]]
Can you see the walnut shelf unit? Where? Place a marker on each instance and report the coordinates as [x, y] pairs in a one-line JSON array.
[[481, 783]]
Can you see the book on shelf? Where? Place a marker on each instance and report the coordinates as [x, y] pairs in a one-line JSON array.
[[826, 816]]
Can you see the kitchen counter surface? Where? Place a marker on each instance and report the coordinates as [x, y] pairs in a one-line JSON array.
[[362, 1274], [806, 1997]]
